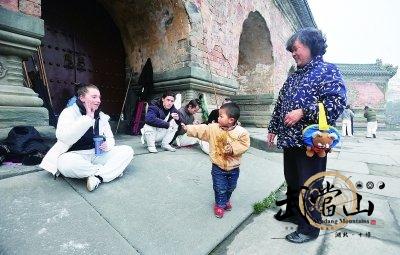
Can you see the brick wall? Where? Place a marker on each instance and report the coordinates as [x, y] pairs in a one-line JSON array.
[[158, 30], [201, 33], [29, 7], [361, 94], [215, 43], [9, 4]]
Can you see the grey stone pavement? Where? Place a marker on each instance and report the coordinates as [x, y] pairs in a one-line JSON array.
[[163, 205], [360, 159]]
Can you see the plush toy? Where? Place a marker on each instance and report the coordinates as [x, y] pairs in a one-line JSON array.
[[321, 143], [320, 138]]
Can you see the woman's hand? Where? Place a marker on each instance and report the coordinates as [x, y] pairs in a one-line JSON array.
[[270, 139], [89, 109], [293, 117], [104, 146]]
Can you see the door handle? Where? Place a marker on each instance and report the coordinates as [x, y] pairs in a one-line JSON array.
[[68, 61], [81, 65]]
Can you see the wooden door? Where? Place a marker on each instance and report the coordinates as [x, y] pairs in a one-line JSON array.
[[82, 45]]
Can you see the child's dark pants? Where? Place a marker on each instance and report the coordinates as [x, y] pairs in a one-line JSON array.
[[224, 183]]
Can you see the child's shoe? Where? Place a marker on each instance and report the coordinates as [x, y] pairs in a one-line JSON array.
[[228, 206], [218, 211]]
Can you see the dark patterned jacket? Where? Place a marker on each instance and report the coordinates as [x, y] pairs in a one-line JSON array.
[[317, 81]]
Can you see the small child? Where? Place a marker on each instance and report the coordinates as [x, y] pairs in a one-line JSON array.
[[228, 142]]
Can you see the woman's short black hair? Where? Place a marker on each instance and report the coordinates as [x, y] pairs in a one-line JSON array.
[[310, 37]]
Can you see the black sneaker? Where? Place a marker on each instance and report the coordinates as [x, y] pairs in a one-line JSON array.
[[285, 217], [296, 237]]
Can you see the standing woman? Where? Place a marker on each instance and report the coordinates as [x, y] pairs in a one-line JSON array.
[[296, 108], [74, 155]]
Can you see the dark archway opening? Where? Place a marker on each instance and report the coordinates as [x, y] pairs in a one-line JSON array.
[[256, 63]]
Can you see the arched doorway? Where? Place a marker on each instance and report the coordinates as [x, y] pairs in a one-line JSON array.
[[82, 45], [256, 63]]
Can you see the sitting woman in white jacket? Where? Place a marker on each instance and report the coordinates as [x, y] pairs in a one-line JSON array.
[[74, 155]]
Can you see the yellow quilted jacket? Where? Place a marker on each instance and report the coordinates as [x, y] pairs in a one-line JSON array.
[[218, 138]]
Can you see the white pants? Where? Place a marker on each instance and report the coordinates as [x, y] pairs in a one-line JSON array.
[[109, 165], [205, 146], [155, 135], [372, 126], [346, 125], [184, 140]]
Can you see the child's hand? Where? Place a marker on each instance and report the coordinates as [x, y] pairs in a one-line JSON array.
[[228, 150], [184, 127]]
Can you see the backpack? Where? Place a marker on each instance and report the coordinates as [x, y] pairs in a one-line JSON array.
[[25, 145]]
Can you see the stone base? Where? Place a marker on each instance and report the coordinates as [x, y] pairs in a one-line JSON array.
[[190, 82], [255, 110], [20, 36], [193, 78], [11, 116]]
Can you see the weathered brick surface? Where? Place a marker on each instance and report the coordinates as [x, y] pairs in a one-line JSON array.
[[215, 43], [30, 7], [9, 4], [203, 33], [361, 94], [158, 30]]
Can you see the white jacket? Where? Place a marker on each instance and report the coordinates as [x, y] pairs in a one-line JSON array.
[[71, 126]]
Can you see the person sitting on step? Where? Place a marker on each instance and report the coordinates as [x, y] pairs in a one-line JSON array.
[[186, 115], [159, 127], [74, 153]]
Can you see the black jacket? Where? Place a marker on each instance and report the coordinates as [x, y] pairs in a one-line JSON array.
[[156, 114]]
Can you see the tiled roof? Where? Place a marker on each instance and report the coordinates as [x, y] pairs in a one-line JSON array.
[[368, 69], [298, 12], [304, 13]]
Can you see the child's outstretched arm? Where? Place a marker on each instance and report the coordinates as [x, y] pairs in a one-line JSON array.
[[201, 131], [241, 145]]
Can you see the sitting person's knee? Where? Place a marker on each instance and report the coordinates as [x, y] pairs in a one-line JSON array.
[[148, 129], [124, 150], [128, 150]]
